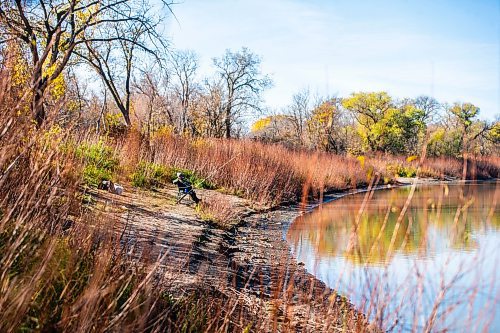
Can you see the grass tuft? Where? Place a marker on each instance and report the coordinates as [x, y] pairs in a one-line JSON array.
[[99, 162]]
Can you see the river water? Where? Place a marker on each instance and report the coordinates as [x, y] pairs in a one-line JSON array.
[[422, 258]]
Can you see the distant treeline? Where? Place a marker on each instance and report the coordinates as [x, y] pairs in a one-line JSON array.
[[376, 122]]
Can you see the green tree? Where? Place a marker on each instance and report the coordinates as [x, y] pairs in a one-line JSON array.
[[385, 127], [369, 109], [444, 142], [465, 117], [494, 133], [465, 114], [400, 131]]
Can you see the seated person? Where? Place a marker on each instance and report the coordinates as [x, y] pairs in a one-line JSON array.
[[185, 186]]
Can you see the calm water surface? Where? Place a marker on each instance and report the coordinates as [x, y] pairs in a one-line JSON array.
[[437, 261]]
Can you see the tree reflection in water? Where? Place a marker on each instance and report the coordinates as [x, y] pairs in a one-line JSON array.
[[430, 224], [434, 263]]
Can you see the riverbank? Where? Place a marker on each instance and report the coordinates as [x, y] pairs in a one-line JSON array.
[[248, 263]]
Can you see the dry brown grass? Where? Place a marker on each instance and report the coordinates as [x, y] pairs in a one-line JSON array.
[[261, 172], [218, 210], [273, 174], [478, 167], [62, 267]]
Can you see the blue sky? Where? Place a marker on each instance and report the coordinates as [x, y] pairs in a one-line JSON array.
[[443, 48]]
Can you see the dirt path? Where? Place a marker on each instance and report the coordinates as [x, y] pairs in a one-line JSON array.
[[248, 260]]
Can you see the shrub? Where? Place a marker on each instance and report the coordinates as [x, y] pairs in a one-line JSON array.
[[149, 175], [402, 171], [99, 162]]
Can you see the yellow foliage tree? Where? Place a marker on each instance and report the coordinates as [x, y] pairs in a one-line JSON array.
[[261, 124]]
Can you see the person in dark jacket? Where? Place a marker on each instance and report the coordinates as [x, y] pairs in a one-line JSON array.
[[185, 187]]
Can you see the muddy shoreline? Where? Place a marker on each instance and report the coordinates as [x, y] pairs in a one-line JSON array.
[[249, 262]]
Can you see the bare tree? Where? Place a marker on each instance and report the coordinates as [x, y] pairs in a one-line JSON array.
[[113, 60], [51, 31], [206, 110], [243, 84], [299, 111], [429, 105], [149, 86], [185, 65]]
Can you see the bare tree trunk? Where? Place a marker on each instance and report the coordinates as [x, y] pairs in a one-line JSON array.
[[150, 116], [37, 107], [184, 117], [227, 122], [101, 114], [126, 116]]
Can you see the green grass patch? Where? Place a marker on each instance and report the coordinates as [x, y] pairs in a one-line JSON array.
[[402, 171], [150, 175], [99, 162]]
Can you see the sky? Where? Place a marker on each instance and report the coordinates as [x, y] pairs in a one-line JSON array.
[[448, 49]]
